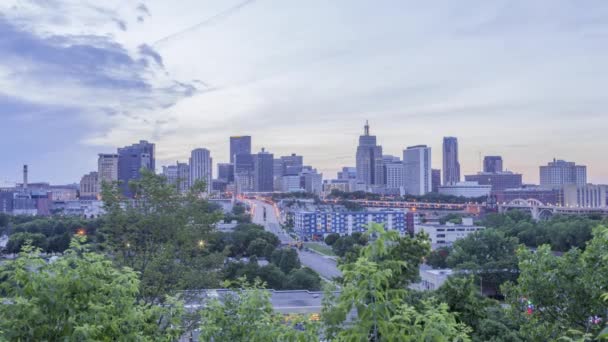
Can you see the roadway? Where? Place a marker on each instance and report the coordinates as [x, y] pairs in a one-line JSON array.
[[326, 267], [271, 223]]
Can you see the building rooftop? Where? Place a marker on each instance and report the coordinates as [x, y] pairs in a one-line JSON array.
[[285, 302]]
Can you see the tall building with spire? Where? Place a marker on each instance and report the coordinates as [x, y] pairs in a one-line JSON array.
[[369, 159], [451, 165]]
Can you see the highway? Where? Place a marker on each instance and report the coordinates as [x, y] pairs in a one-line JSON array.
[[326, 267], [271, 223]]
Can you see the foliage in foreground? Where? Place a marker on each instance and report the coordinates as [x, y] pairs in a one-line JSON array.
[[373, 290], [162, 235], [248, 315], [555, 296], [80, 297]]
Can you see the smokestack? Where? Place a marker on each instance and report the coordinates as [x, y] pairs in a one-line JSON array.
[[25, 176]]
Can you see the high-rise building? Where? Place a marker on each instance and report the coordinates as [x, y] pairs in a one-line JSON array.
[[498, 180], [347, 173], [436, 179], [89, 186], [243, 163], [291, 183], [312, 181], [131, 160], [559, 172], [369, 159], [170, 172], [492, 164], [201, 167], [263, 171], [278, 167], [107, 168], [451, 166], [239, 145], [393, 175], [183, 177], [244, 170], [225, 171], [292, 165], [417, 172]]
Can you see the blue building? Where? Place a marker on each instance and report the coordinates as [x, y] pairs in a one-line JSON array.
[[131, 159], [316, 225]]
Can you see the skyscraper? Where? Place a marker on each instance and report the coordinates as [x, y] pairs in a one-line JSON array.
[[292, 164], [451, 166], [131, 160], [225, 171], [435, 180], [369, 159], [393, 175], [201, 167], [107, 168], [347, 173], [417, 170], [559, 172], [263, 171], [170, 172], [312, 181], [183, 177], [492, 164], [239, 145]]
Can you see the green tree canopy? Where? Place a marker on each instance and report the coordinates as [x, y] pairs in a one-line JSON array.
[[330, 239], [163, 235], [372, 289], [248, 315], [556, 294], [489, 255], [79, 297]]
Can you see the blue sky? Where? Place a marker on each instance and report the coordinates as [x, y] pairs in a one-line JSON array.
[[523, 79]]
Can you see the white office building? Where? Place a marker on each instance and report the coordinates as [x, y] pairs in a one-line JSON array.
[[417, 174], [465, 189], [394, 175], [446, 235], [201, 167], [291, 183], [559, 172], [585, 196]]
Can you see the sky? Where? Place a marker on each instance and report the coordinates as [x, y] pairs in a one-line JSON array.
[[524, 79]]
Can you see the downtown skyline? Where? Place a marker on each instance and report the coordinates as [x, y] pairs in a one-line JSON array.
[[473, 71]]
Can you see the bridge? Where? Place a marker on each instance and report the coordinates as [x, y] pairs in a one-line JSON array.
[[471, 208], [541, 211]]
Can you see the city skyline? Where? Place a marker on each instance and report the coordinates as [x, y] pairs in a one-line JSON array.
[[176, 76]]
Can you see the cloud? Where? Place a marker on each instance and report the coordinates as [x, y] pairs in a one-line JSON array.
[[94, 74]]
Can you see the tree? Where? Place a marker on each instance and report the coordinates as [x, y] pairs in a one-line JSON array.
[[381, 314], [343, 245], [18, 240], [483, 315], [4, 221], [331, 239], [452, 218], [248, 315], [286, 259], [162, 235], [438, 258], [259, 247], [554, 295], [81, 296], [303, 278], [489, 255]]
